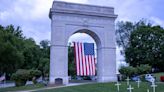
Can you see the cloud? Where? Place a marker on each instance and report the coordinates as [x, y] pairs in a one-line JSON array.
[[41, 8], [75, 1], [32, 15], [38, 33], [81, 37], [4, 15], [131, 10], [157, 21], [31, 9]]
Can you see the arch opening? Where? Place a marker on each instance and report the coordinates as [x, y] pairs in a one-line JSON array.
[[91, 34], [82, 36]]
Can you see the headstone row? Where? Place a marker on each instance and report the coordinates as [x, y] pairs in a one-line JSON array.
[[130, 88]]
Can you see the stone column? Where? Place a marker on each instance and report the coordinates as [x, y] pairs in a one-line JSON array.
[[58, 53], [59, 64], [106, 64]]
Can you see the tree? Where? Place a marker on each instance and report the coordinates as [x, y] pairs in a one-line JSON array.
[[19, 52], [44, 66], [45, 44], [124, 30], [32, 54], [146, 46], [45, 57], [11, 55], [71, 62]]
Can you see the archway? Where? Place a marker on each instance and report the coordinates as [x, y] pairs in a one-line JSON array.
[[89, 69], [96, 21]]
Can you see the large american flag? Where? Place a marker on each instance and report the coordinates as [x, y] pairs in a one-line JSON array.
[[85, 59]]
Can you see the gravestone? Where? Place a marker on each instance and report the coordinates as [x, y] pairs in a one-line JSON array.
[[96, 21]]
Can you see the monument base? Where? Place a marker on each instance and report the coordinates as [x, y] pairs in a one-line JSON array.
[[57, 80], [107, 79]]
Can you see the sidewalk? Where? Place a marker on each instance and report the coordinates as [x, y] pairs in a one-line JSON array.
[[4, 85], [11, 84], [70, 84]]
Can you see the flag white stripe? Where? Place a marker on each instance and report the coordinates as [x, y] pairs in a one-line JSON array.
[[90, 57], [87, 64], [84, 63], [93, 66]]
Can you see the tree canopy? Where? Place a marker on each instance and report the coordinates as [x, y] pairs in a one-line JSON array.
[[146, 46], [19, 52], [124, 30], [142, 43]]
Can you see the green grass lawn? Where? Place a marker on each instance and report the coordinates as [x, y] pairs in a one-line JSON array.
[[106, 87], [157, 75], [95, 87], [27, 87]]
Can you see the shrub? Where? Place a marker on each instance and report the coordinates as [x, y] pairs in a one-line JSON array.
[[128, 71], [34, 75], [142, 78], [20, 77], [142, 69]]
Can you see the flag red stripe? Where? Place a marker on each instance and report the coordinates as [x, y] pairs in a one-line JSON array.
[[82, 59], [90, 58], [75, 55], [87, 65], [91, 64], [79, 59]]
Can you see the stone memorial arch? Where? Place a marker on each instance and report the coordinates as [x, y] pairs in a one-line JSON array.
[[96, 21]]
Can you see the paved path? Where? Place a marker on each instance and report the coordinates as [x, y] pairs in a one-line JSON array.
[[4, 85], [70, 84], [11, 84]]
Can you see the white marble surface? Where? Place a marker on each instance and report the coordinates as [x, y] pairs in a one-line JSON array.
[[98, 22]]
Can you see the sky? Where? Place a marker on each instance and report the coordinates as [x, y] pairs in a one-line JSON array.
[[32, 15]]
